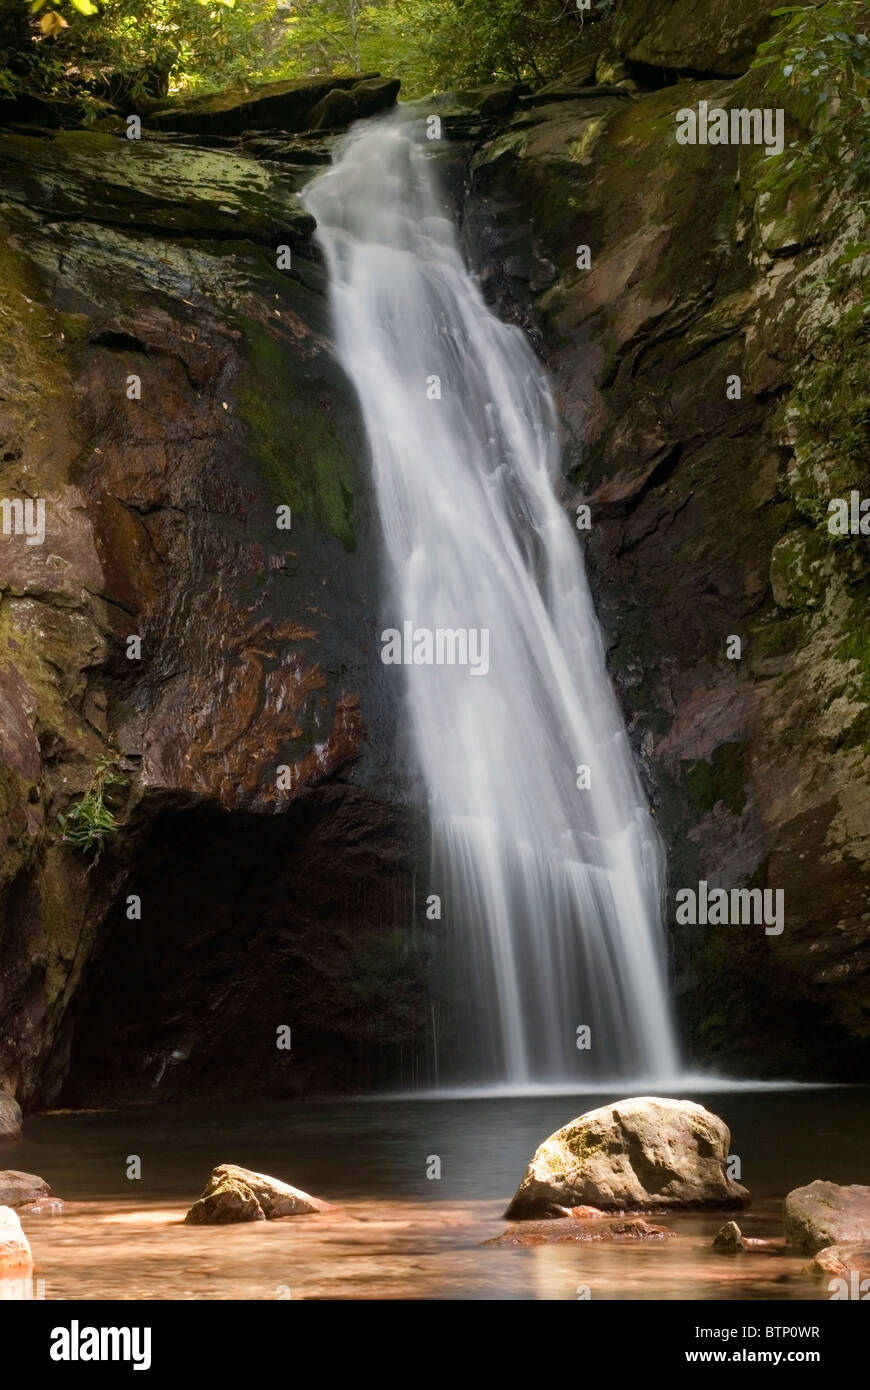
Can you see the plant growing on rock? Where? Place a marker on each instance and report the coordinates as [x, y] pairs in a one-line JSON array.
[[90, 822], [819, 67]]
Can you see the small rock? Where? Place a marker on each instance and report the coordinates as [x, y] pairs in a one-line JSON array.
[[15, 1256], [844, 1261], [824, 1214], [226, 1203], [18, 1189], [571, 1232], [642, 1154], [729, 1239], [238, 1194], [10, 1118], [584, 1213]]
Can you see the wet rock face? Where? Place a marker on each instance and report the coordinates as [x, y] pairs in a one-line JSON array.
[[171, 394], [707, 523]]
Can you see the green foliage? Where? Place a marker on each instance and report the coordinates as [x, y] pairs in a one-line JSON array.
[[90, 822], [818, 66], [99, 52]]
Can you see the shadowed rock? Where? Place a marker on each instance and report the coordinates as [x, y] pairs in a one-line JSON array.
[[286, 106], [19, 1189], [10, 1118], [729, 1239]]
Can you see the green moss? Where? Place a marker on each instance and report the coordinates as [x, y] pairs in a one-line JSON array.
[[722, 778], [777, 636], [832, 414], [308, 465], [75, 327], [797, 570]]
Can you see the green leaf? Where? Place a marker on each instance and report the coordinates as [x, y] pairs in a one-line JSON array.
[[84, 6]]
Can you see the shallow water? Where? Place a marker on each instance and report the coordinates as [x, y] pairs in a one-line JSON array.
[[397, 1234]]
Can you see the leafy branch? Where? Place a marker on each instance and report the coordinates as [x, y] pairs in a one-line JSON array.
[[90, 822], [818, 64]]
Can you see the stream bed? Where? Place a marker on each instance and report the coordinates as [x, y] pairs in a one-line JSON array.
[[395, 1233]]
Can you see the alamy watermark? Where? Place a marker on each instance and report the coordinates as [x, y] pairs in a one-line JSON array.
[[23, 516], [713, 125], [440, 646], [744, 907]]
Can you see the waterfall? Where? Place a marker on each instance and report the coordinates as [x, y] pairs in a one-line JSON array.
[[551, 890]]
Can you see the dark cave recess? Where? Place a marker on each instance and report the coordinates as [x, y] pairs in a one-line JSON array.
[[252, 924]]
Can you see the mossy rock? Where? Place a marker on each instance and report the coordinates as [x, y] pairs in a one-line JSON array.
[[710, 36], [799, 569]]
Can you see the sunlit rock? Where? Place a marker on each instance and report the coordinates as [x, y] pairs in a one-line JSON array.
[[15, 1256], [642, 1154], [238, 1194], [824, 1213]]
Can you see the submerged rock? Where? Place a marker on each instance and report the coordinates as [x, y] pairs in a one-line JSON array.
[[571, 1232], [842, 1261], [644, 1153], [10, 1118], [15, 1256], [823, 1214], [19, 1189], [237, 1194]]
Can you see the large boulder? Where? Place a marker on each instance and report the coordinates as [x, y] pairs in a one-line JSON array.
[[237, 1194], [823, 1214], [641, 1154], [274, 106], [20, 1189], [10, 1118], [708, 36], [15, 1256]]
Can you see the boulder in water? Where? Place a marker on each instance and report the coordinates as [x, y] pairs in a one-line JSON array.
[[20, 1189], [642, 1154], [824, 1214], [10, 1118], [15, 1256], [237, 1194]]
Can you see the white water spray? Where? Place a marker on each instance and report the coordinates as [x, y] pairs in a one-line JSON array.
[[551, 893]]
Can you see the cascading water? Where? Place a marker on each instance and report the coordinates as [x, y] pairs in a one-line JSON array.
[[551, 891]]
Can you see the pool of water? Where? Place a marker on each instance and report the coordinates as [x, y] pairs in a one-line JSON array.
[[396, 1233]]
